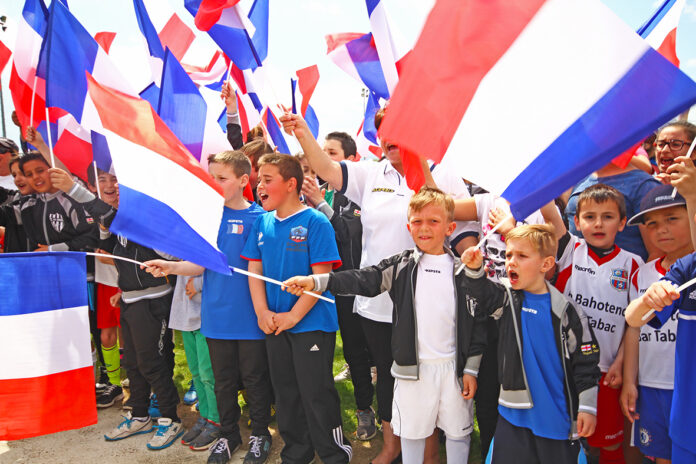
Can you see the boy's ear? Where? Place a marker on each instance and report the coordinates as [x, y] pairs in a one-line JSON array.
[[450, 228], [292, 184], [576, 221], [244, 180], [548, 263], [622, 224]]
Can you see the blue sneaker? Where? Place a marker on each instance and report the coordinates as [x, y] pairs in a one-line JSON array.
[[153, 410], [167, 431], [191, 397]]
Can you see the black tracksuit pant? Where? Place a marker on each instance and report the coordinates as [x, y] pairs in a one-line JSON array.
[[355, 351], [486, 398], [308, 409], [518, 445], [245, 360], [378, 336], [148, 355]]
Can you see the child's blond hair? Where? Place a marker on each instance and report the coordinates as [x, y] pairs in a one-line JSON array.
[[427, 196], [235, 160], [541, 236]]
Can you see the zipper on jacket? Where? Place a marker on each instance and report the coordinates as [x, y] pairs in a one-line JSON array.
[[415, 317], [45, 229], [136, 269], [519, 342], [565, 373]]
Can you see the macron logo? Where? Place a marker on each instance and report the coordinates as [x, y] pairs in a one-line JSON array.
[[314, 348], [529, 310]]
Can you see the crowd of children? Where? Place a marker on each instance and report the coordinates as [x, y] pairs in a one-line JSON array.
[[543, 323]]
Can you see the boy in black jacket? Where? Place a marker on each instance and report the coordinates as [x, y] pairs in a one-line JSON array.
[[436, 342], [547, 353]]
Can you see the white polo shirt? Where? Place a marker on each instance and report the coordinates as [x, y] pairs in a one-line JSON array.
[[383, 197]]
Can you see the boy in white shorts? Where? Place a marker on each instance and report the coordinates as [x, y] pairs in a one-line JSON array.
[[436, 369]]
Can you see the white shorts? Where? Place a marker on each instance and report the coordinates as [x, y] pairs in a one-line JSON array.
[[434, 400]]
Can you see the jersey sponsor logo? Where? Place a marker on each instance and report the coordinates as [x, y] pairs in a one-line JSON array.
[[123, 241], [298, 234], [57, 221], [584, 269], [645, 437], [434, 271], [692, 295], [619, 279], [529, 310], [382, 189]]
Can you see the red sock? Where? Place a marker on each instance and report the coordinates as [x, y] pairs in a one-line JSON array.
[[611, 456]]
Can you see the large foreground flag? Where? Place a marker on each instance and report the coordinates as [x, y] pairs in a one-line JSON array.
[[166, 200], [529, 97], [660, 31], [46, 374]]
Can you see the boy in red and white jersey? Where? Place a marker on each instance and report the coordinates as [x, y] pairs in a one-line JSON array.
[[646, 395], [594, 273]]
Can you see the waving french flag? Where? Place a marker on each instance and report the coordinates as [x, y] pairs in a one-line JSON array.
[[357, 55], [660, 31], [24, 84], [391, 46], [240, 28], [275, 132], [302, 90], [534, 91], [366, 141], [166, 200], [46, 374]]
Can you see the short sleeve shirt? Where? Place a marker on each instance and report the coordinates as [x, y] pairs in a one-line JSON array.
[[289, 247]]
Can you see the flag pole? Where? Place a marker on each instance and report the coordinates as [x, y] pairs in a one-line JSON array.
[[2, 111], [292, 94], [50, 142], [96, 179], [33, 98]]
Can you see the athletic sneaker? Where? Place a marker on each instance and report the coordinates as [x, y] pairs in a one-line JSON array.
[[259, 448], [366, 424], [153, 409], [207, 438], [343, 375], [167, 431], [103, 381], [222, 451], [191, 396], [109, 396], [129, 427], [193, 432]]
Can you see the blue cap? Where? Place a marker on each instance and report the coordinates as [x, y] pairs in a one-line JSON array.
[[663, 196]]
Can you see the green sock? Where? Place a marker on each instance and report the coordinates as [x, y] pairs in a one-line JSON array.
[[112, 361]]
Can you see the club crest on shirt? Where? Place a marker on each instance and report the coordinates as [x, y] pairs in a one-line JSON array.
[[298, 234], [122, 240], [619, 279], [56, 221], [692, 295], [645, 437]]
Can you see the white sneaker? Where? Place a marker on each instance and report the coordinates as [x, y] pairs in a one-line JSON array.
[[167, 433], [129, 427], [343, 375]]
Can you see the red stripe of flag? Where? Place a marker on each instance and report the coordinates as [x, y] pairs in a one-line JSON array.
[[307, 79], [459, 44], [5, 54], [105, 39], [176, 36], [209, 12]]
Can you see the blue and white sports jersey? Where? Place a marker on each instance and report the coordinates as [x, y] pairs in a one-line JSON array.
[[289, 247], [683, 401]]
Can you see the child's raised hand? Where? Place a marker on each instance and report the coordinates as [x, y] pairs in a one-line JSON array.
[[627, 400], [660, 294], [472, 257], [293, 124], [682, 175], [285, 321], [586, 424], [498, 215], [228, 95], [34, 137], [61, 179], [469, 386], [158, 267], [298, 284]]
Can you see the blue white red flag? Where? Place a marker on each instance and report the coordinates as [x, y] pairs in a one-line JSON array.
[[45, 354], [166, 200], [531, 101], [275, 132], [154, 45], [391, 46], [357, 55], [660, 31], [366, 141], [302, 89], [240, 28]]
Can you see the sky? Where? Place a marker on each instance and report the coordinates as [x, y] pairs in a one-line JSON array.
[[296, 40]]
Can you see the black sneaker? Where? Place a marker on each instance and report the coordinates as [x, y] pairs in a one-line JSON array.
[[222, 451], [109, 396], [207, 438], [193, 432], [366, 424], [259, 448], [103, 381]]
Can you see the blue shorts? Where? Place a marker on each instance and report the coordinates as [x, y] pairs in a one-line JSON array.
[[682, 456], [651, 431]]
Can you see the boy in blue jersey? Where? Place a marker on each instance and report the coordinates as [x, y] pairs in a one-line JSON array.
[[547, 353], [228, 322], [291, 239]]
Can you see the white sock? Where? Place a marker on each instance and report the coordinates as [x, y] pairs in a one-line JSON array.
[[412, 451], [458, 449]]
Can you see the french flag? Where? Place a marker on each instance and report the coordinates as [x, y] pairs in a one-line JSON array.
[[5, 55], [275, 132], [31, 29], [544, 91], [186, 112], [166, 200], [391, 47], [302, 90], [155, 50], [660, 31], [68, 52], [357, 55], [366, 141], [176, 36], [212, 73], [239, 28], [46, 373]]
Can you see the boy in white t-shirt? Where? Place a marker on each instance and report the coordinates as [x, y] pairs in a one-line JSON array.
[[436, 369], [646, 395], [594, 273]]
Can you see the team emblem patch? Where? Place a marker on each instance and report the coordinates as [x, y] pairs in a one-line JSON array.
[[692, 295], [645, 437], [619, 279], [586, 348], [123, 241], [235, 228], [298, 234], [356, 213], [56, 221]]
